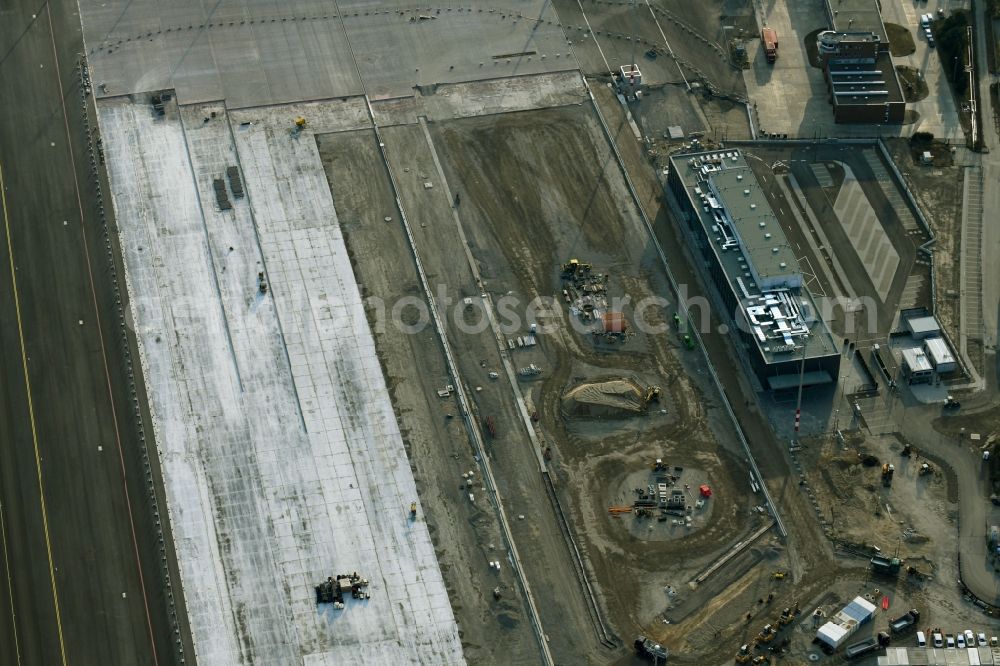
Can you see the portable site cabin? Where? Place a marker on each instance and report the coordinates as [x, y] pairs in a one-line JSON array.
[[916, 366], [940, 355], [843, 625]]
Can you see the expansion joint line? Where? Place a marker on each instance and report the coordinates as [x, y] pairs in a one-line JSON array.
[[450, 360], [31, 418]]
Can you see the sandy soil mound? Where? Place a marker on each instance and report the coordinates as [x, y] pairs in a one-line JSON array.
[[612, 398]]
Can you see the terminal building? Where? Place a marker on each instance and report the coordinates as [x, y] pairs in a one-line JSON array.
[[857, 65], [754, 269]]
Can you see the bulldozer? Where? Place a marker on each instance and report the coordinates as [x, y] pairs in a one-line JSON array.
[[744, 655], [573, 267], [786, 617]]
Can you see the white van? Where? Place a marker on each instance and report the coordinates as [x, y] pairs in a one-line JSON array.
[[921, 639]]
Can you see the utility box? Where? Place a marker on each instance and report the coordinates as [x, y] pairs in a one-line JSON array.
[[629, 79]]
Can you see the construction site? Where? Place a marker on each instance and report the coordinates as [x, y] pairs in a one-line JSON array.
[[590, 333]]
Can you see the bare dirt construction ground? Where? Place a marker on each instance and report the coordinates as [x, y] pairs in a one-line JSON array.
[[539, 188], [698, 114], [465, 534], [914, 86], [900, 40], [938, 189], [914, 517], [698, 34]]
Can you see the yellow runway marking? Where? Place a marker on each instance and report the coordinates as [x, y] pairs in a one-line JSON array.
[[10, 588], [31, 417]]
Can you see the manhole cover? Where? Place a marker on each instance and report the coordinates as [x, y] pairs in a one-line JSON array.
[[813, 656]]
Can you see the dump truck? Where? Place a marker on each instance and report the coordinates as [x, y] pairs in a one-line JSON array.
[[886, 565], [650, 650], [770, 39], [888, 469], [904, 623]]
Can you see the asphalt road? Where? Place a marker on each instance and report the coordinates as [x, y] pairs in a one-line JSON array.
[[976, 511], [81, 580]]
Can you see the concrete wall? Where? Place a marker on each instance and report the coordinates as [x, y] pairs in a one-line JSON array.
[[890, 113]]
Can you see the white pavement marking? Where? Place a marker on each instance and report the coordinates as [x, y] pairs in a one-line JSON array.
[[867, 236]]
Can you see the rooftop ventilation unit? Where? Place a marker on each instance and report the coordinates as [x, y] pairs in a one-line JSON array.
[[774, 250], [746, 192], [768, 236], [739, 176], [762, 224], [753, 206]]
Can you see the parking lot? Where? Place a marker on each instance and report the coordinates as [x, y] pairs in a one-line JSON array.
[[791, 96]]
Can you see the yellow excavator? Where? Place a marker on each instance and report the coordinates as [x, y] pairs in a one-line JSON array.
[[573, 267], [744, 655], [652, 395]]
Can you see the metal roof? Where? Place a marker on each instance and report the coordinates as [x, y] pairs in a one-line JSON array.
[[916, 360], [925, 325], [927, 656], [859, 609], [938, 351]]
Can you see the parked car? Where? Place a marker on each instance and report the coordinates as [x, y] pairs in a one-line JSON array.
[[938, 639], [921, 639], [949, 641], [959, 641], [970, 639], [982, 639]]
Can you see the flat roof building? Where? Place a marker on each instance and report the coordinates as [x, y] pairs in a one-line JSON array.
[[843, 625], [923, 326], [916, 366], [928, 656], [859, 16], [940, 355], [860, 74], [754, 269]]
